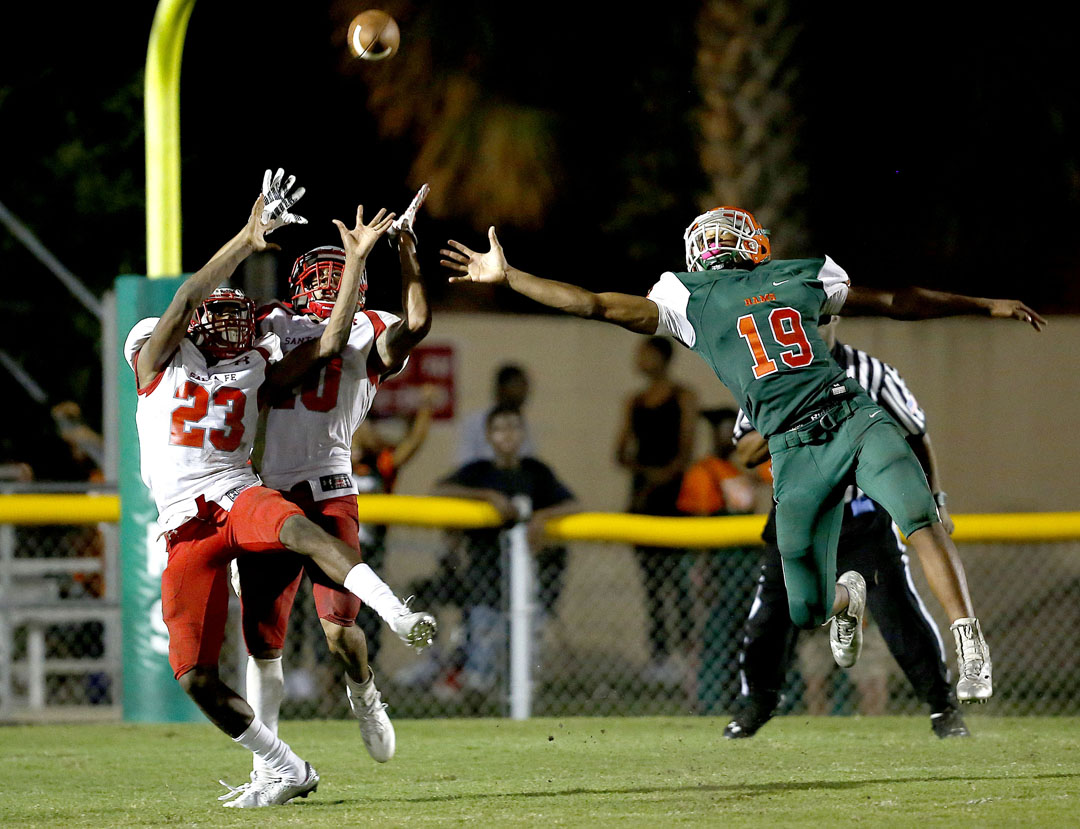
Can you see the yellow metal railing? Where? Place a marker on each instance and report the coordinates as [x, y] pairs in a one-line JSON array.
[[59, 509], [419, 511]]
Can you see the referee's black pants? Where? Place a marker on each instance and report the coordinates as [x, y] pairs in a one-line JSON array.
[[769, 637]]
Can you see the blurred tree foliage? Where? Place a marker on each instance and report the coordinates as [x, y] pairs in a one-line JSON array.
[[941, 151], [571, 132], [74, 175]]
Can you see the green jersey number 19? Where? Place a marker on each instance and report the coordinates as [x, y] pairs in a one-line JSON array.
[[787, 330]]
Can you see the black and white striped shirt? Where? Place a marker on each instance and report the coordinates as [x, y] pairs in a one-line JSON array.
[[882, 382]]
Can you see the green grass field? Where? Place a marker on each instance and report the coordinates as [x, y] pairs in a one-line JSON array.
[[659, 772]]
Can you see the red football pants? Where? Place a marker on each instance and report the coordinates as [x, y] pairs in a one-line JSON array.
[[268, 584], [194, 586]]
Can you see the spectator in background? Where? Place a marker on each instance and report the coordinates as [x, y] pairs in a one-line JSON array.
[[16, 471], [479, 581], [87, 446], [511, 391], [656, 444], [716, 486], [376, 462]]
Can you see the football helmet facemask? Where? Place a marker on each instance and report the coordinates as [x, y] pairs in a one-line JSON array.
[[224, 324], [725, 237], [316, 279]]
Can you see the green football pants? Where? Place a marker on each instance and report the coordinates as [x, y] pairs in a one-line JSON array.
[[812, 467]]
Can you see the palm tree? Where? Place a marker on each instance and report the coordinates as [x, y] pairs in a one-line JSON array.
[[488, 160], [747, 122]]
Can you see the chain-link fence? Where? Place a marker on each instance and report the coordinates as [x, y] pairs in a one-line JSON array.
[[59, 620], [623, 630], [615, 630]]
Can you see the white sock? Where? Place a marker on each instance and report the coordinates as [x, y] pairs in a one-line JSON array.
[[363, 583], [359, 693], [264, 690], [279, 758]]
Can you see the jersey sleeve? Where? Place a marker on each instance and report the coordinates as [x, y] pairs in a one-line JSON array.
[[269, 318], [671, 298], [269, 345], [381, 322], [900, 403], [137, 338], [835, 282]]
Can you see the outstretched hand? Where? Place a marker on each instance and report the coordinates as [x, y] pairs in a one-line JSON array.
[[1015, 309], [271, 209], [361, 239], [278, 200], [404, 224], [257, 229], [487, 267]]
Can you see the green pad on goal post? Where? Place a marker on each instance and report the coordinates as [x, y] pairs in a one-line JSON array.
[[150, 692]]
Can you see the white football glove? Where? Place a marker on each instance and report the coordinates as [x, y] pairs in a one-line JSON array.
[[277, 200], [404, 223]]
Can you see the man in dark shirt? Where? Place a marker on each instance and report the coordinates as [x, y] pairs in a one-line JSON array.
[[502, 482]]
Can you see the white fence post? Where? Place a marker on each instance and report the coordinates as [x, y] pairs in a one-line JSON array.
[[35, 665], [7, 686], [522, 604]]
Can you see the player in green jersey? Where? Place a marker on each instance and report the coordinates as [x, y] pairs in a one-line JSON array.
[[754, 321]]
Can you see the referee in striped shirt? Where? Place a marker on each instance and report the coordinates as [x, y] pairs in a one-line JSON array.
[[867, 544]]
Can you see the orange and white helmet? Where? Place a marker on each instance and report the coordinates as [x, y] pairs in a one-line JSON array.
[[725, 237]]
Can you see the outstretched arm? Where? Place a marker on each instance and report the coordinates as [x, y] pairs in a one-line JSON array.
[[358, 242], [635, 313], [503, 505], [172, 326], [921, 304], [270, 212], [396, 343]]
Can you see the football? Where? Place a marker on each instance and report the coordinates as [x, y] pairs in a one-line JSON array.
[[373, 35]]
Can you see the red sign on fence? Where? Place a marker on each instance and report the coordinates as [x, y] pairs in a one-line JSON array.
[[429, 365]]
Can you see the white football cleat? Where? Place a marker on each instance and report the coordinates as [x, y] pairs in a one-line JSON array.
[[267, 790], [238, 791], [415, 629], [845, 628], [375, 725], [976, 683]]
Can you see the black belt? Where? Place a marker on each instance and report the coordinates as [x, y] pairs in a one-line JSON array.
[[818, 422]]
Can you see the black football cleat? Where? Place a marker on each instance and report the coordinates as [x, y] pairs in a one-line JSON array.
[[948, 723]]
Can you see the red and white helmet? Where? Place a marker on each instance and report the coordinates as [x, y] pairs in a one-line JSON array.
[[709, 245], [316, 279], [224, 324]]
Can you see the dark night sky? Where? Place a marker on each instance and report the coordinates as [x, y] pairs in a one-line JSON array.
[[942, 150]]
